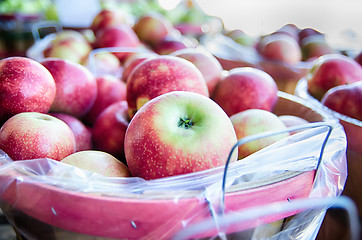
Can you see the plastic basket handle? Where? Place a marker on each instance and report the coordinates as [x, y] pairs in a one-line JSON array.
[[268, 134], [275, 208], [45, 24]]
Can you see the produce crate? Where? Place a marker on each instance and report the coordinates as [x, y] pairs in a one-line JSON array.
[[353, 129], [46, 199]]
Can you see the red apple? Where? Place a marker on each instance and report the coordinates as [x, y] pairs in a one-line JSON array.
[[107, 18], [306, 32], [208, 65], [133, 61], [358, 58], [289, 29], [176, 133], [159, 75], [99, 162], [345, 99], [120, 36], [110, 90], [152, 28], [31, 135], [70, 45], [332, 70], [25, 86], [315, 46], [109, 129], [103, 63], [76, 87], [244, 88], [255, 121], [281, 48], [169, 45], [82, 134]]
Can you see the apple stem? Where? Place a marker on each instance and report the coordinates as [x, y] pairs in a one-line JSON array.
[[185, 123]]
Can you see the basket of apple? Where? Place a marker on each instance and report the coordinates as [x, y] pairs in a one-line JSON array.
[[334, 84], [89, 155]]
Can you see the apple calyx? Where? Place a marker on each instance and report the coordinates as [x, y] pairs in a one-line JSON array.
[[185, 123]]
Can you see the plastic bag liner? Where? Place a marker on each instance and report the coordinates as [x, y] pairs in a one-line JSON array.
[[47, 199]]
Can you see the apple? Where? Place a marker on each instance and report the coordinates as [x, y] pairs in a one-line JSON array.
[[103, 63], [25, 86], [109, 129], [107, 18], [241, 37], [306, 32], [345, 99], [255, 121], [110, 90], [176, 133], [281, 48], [99, 162], [291, 121], [76, 87], [133, 61], [169, 45], [31, 135], [120, 36], [70, 45], [289, 29], [207, 63], [82, 133], [159, 75], [315, 46], [245, 88], [332, 70], [152, 28]]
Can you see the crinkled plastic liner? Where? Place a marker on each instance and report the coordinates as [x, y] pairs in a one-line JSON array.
[[70, 202]]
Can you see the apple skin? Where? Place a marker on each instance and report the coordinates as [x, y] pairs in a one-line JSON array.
[[255, 121], [82, 133], [358, 58], [104, 63], [70, 45], [107, 18], [168, 45], [176, 133], [109, 129], [159, 75], [110, 90], [133, 61], [245, 88], [280, 47], [314, 47], [25, 86], [72, 81], [306, 32], [98, 162], [208, 65], [332, 70], [152, 28], [31, 135], [345, 99]]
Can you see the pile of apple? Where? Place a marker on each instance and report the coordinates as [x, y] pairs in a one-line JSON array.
[[164, 108]]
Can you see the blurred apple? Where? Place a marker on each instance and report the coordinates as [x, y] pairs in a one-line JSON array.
[[103, 63], [176, 133], [82, 134], [76, 87], [70, 45], [121, 36], [281, 48], [169, 45], [345, 99], [291, 121], [241, 37], [31, 135], [332, 70], [315, 46], [208, 65], [25, 86], [289, 29], [152, 28], [306, 32], [110, 90], [109, 129], [99, 162], [108, 18], [160, 75], [358, 58], [245, 88], [255, 121]]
